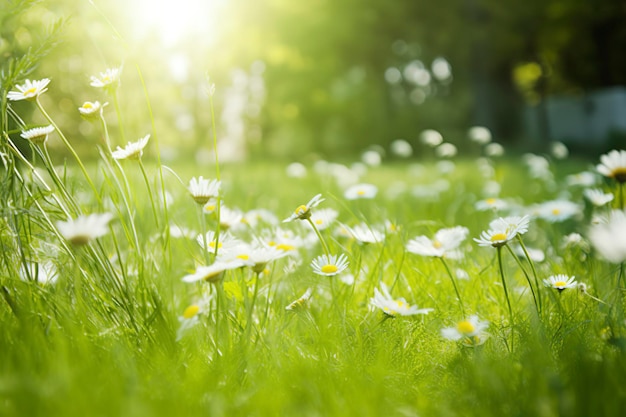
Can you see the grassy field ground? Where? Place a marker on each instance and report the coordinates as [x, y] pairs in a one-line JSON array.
[[104, 324]]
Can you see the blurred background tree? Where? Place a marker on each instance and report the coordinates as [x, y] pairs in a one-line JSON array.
[[329, 77]]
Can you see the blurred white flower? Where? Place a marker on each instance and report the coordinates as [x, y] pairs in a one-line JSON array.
[[401, 148], [494, 149], [446, 150], [107, 79], [559, 150], [556, 211], [471, 331], [597, 197], [296, 170], [91, 109], [609, 239], [444, 243], [213, 272], [84, 229], [431, 138], [371, 158], [202, 190], [394, 307], [613, 165], [361, 191], [479, 134]]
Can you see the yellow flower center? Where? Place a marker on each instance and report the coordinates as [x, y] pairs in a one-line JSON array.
[[437, 244], [329, 269], [491, 201], [498, 237], [212, 244], [560, 284], [556, 211], [301, 209], [400, 303], [285, 247], [319, 221], [30, 92], [243, 256], [361, 192], [465, 327], [191, 311], [619, 174], [87, 106]]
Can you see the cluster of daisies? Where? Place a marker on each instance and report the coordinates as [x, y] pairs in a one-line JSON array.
[[223, 250]]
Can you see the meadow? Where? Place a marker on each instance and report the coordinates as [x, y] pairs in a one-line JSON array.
[[439, 284]]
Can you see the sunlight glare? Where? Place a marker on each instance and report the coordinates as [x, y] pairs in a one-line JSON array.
[[177, 21]]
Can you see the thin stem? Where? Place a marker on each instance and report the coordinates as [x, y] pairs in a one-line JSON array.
[[145, 178], [532, 289], [319, 236], [456, 289], [252, 303], [506, 291], [533, 269], [203, 230], [217, 172], [71, 149]]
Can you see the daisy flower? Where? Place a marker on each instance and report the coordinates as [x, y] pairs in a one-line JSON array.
[[329, 265], [494, 149], [613, 165], [609, 238], [445, 242], [30, 90], [230, 218], [213, 272], [281, 239], [560, 282], [323, 218], [502, 230], [44, 273], [394, 307], [471, 330], [91, 109], [253, 217], [303, 212], [296, 170], [357, 191], [300, 302], [202, 190], [556, 211], [190, 316], [364, 234], [226, 241], [107, 79], [133, 150], [491, 203], [446, 150], [582, 179], [84, 229], [597, 197], [37, 135]]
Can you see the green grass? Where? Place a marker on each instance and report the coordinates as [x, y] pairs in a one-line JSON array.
[[103, 342]]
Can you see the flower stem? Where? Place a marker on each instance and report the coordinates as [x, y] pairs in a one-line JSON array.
[[506, 291], [145, 178], [536, 295], [217, 170], [71, 149], [118, 112], [456, 289], [319, 236]]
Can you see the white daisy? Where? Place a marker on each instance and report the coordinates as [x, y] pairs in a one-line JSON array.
[[609, 239], [190, 316], [38, 135], [202, 190], [613, 165], [329, 265], [30, 90], [597, 197], [213, 272], [394, 307], [583, 179], [502, 230], [364, 233], [401, 148], [471, 330], [91, 109], [444, 243], [560, 282], [84, 229], [107, 79], [494, 149], [303, 212], [300, 302], [281, 239], [323, 218], [491, 203], [225, 244], [41, 272], [536, 255], [358, 191], [559, 150], [133, 150], [446, 150], [296, 170], [230, 218], [253, 217], [556, 211]]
